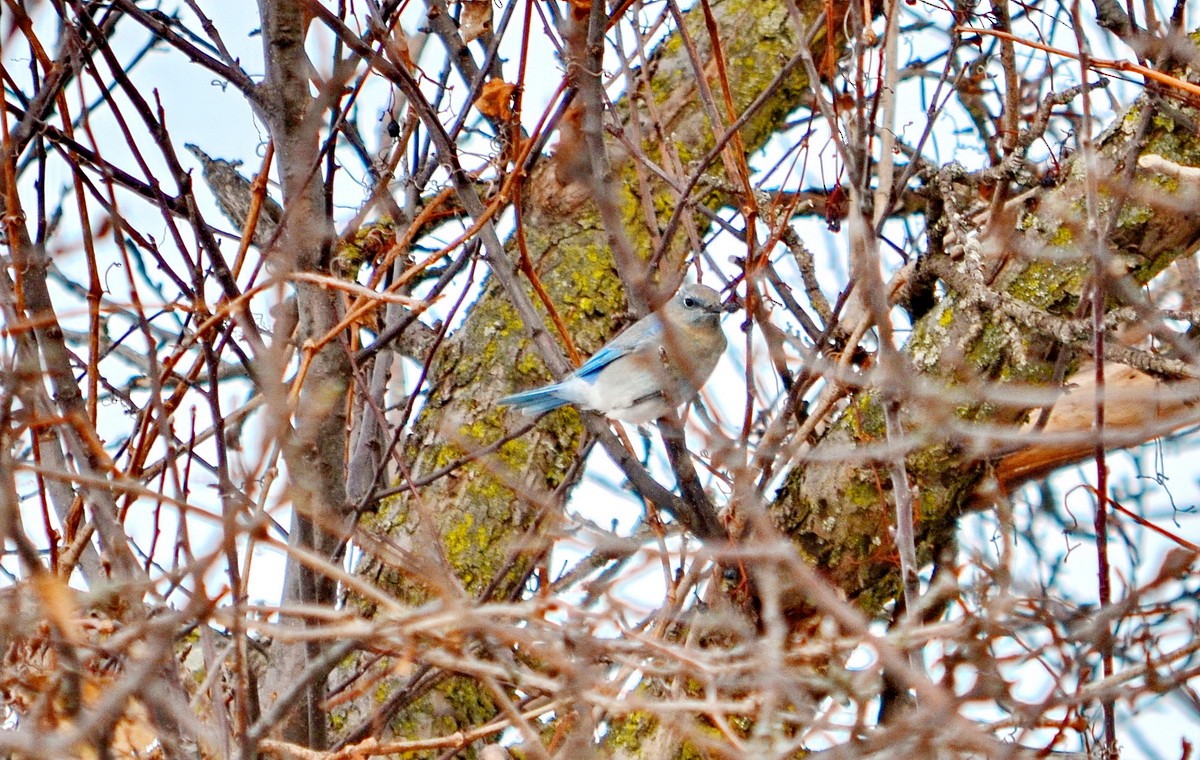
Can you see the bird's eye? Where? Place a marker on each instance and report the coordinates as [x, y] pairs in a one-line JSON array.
[[690, 302]]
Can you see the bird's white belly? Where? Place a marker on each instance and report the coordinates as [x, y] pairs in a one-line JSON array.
[[636, 389]]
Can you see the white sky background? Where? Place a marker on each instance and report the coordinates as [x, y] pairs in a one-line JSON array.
[[219, 121]]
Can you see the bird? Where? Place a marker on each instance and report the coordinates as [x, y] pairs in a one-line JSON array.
[[650, 369], [234, 194]]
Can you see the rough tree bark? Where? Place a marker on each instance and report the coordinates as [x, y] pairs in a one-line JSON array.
[[832, 507], [480, 526]]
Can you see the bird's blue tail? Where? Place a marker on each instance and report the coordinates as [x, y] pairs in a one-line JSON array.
[[537, 401]]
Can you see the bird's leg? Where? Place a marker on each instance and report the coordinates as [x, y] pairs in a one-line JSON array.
[[663, 359], [644, 435]]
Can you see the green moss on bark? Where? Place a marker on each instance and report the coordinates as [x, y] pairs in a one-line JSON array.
[[481, 518], [834, 510]]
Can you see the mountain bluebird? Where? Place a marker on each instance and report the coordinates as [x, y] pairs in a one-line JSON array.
[[653, 367]]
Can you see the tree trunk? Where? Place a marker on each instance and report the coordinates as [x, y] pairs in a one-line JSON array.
[[488, 522], [315, 450], [836, 508]]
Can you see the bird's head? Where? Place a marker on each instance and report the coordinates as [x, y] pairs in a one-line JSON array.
[[695, 304]]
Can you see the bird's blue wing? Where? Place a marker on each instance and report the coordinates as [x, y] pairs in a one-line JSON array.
[[632, 340], [601, 359]]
